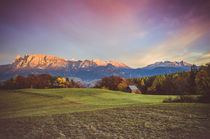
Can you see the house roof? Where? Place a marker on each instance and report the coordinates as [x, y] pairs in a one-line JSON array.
[[133, 87]]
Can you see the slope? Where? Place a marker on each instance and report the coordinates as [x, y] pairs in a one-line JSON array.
[[31, 102]]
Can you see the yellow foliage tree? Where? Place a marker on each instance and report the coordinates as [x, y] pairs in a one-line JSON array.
[[61, 82]]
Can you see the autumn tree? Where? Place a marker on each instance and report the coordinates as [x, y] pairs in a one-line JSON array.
[[157, 84], [202, 80], [44, 80], [9, 84], [78, 85], [60, 82], [113, 83], [33, 81], [168, 86], [73, 83], [20, 82], [123, 85], [192, 75], [67, 79], [181, 84]]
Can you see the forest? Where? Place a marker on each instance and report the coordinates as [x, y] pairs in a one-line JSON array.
[[39, 81], [195, 81]]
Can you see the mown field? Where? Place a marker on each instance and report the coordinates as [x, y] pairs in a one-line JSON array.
[[97, 113]]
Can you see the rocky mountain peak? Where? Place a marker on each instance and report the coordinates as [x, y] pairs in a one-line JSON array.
[[168, 64], [99, 62], [39, 61], [114, 63], [85, 69], [17, 59]]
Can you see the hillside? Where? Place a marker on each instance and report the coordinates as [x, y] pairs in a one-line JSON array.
[[97, 113], [55, 101]]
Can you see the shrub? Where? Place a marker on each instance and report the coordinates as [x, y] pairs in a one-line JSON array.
[[181, 99], [204, 99]]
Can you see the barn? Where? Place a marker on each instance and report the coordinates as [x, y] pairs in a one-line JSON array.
[[134, 89]]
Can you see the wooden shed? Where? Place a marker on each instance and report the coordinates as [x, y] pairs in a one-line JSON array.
[[134, 89]]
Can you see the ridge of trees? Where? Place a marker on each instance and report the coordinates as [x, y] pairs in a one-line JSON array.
[[195, 81], [39, 81]]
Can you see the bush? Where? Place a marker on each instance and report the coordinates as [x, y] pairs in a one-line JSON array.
[[181, 99], [167, 100], [204, 99]]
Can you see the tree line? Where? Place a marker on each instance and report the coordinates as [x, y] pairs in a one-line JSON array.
[[39, 81], [195, 81]]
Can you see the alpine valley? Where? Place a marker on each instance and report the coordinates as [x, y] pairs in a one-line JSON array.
[[87, 70]]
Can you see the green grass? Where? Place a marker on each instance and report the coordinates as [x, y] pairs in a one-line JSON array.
[[24, 102], [98, 113], [99, 96]]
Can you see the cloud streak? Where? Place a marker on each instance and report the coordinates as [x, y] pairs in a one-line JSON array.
[[174, 48], [134, 32], [203, 59]]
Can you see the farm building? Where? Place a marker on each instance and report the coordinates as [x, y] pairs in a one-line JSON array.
[[134, 89]]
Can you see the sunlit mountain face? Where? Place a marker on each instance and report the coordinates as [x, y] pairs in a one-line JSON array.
[[52, 62], [84, 70], [134, 32]]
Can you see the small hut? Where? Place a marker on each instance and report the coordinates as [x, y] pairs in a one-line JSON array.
[[134, 89]]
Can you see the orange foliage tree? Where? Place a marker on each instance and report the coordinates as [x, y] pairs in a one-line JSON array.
[[113, 83]]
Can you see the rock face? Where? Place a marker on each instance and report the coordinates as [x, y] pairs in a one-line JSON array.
[[52, 62], [39, 62], [169, 64], [84, 70], [105, 63]]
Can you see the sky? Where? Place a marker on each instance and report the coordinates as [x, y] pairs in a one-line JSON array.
[[135, 32]]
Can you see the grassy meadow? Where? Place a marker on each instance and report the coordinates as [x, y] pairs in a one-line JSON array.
[[98, 113]]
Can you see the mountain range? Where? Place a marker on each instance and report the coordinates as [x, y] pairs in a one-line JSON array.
[[87, 70]]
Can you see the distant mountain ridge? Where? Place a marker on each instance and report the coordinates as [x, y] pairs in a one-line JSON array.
[[52, 62], [85, 70], [168, 64]]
